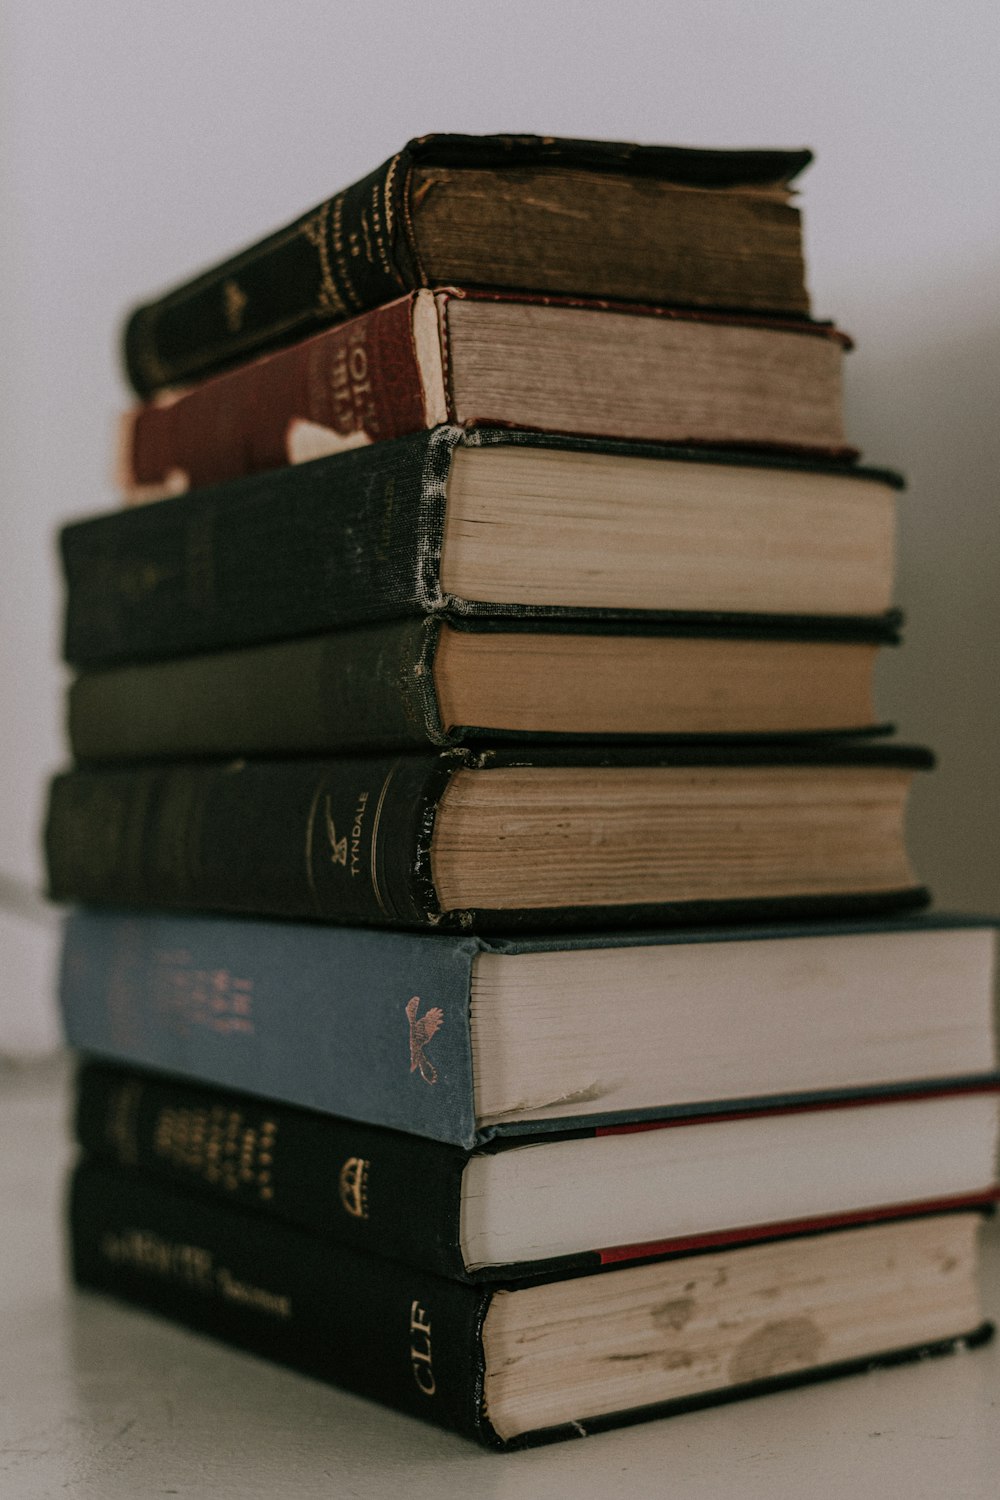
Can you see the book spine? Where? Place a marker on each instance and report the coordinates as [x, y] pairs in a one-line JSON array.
[[345, 840], [278, 1010], [352, 384], [351, 253], [393, 1333], [373, 1190], [342, 541], [371, 688]]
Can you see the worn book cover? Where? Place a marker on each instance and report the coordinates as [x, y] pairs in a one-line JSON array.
[[374, 534], [407, 684], [511, 1364], [407, 1198], [274, 1010], [477, 359], [582, 836], [602, 218]]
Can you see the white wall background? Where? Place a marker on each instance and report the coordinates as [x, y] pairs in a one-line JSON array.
[[140, 141]]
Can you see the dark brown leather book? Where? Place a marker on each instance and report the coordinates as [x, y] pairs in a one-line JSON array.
[[510, 212]]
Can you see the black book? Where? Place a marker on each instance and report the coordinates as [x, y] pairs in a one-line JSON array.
[[588, 837], [511, 1363], [576, 1199], [524, 528], [596, 218]]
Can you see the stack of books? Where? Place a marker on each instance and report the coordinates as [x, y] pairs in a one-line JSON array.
[[500, 982]]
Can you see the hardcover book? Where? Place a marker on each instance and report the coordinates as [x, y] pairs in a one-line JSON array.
[[407, 684], [600, 1196], [474, 359], [586, 836], [481, 524], [518, 212], [462, 1039], [512, 1363]]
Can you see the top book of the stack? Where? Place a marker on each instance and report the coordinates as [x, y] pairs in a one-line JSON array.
[[659, 225]]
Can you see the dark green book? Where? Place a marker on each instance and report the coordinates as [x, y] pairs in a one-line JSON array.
[[656, 224], [584, 837], [487, 524], [407, 684]]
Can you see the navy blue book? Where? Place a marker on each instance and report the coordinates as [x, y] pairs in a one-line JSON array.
[[464, 1038]]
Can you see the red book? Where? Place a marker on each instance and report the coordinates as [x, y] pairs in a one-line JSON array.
[[592, 368]]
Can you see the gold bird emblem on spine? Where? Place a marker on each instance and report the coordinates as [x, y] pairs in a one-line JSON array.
[[422, 1028], [338, 847]]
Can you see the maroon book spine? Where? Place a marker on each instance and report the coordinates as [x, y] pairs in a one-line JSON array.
[[356, 383], [384, 374]]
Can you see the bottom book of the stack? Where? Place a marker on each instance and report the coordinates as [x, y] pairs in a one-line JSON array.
[[515, 1362]]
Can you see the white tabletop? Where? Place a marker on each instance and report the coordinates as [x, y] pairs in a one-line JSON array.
[[98, 1402]]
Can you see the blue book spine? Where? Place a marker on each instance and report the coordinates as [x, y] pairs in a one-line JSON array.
[[366, 1024]]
